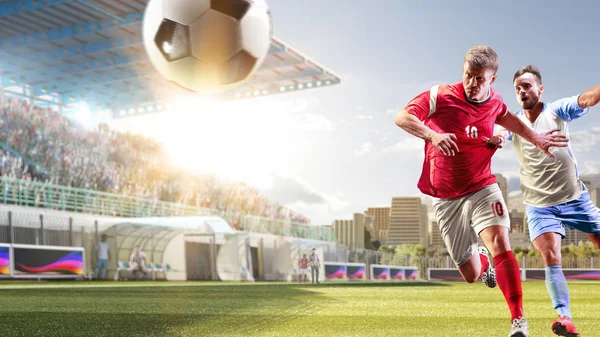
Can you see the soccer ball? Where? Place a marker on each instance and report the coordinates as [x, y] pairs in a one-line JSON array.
[[207, 45]]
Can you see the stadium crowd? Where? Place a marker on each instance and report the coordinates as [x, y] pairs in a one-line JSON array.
[[41, 145]]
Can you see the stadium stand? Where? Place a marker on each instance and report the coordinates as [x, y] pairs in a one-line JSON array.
[[45, 149]]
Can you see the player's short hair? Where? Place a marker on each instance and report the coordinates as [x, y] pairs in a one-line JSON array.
[[104, 237], [533, 70], [482, 57]]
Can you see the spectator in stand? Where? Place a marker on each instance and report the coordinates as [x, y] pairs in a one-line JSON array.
[[50, 147]]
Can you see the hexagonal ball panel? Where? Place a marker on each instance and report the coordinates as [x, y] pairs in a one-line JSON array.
[[256, 28], [185, 11], [233, 8], [173, 40], [215, 37], [153, 17], [193, 74], [238, 68]]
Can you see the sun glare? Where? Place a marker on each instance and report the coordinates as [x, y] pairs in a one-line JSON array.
[[237, 140]]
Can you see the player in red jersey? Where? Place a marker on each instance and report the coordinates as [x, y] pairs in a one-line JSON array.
[[303, 264], [456, 121]]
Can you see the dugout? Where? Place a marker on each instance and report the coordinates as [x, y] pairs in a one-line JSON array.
[[163, 239]]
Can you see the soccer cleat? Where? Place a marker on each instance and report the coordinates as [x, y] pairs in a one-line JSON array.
[[488, 277], [563, 326], [519, 328]]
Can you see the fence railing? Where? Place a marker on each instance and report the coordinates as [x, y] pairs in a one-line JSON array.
[[64, 198]]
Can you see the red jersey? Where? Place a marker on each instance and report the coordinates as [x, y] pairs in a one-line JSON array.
[[303, 263], [471, 122]]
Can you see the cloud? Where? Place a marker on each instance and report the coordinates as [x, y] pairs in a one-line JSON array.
[[288, 190], [409, 144], [364, 117], [591, 167], [585, 140], [313, 122], [516, 193], [299, 196], [363, 149]]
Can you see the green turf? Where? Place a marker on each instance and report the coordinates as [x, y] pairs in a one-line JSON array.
[[278, 310]]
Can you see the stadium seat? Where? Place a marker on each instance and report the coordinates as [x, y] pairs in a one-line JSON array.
[[123, 272]]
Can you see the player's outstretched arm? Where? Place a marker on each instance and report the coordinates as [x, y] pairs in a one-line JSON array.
[[445, 143], [589, 97], [543, 141]]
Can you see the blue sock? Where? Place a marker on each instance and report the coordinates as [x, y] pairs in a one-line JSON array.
[[556, 283]]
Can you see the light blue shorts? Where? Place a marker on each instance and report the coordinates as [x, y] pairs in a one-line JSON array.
[[580, 214]]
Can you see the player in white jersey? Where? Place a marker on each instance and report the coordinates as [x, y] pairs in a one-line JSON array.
[[554, 196]]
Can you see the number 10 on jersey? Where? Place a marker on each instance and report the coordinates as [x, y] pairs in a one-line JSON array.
[[497, 208]]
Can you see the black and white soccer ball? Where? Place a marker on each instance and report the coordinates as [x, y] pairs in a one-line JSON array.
[[207, 45]]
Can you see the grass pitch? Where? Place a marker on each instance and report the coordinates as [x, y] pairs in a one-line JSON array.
[[423, 309]]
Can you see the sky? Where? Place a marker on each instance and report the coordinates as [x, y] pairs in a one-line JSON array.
[[334, 151]]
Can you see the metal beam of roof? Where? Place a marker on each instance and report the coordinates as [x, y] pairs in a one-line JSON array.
[[87, 82], [102, 62], [39, 59], [100, 10], [72, 69], [62, 33], [22, 6], [121, 101], [129, 88], [107, 63]]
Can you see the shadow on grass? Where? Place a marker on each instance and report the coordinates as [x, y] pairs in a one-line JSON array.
[[224, 309], [105, 324], [198, 310]]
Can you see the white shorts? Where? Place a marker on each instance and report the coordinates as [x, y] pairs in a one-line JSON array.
[[462, 219], [304, 271]]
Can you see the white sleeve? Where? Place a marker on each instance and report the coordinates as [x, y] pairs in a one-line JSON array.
[[433, 99]]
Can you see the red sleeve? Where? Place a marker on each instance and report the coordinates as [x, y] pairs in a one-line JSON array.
[[419, 106], [502, 108], [502, 111]]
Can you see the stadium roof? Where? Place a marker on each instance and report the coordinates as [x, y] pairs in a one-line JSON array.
[[63, 52]]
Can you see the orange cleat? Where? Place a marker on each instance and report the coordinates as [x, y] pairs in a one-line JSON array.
[[563, 326]]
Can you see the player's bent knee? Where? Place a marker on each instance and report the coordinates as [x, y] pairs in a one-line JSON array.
[[595, 239], [468, 272], [470, 279]]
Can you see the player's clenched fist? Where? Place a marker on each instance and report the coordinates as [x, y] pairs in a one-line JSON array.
[[445, 143]]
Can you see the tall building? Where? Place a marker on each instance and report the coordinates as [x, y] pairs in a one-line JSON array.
[[359, 230], [435, 238], [350, 233], [408, 222], [370, 227], [515, 201], [503, 183], [381, 216], [574, 237], [519, 232], [518, 222], [587, 182]]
